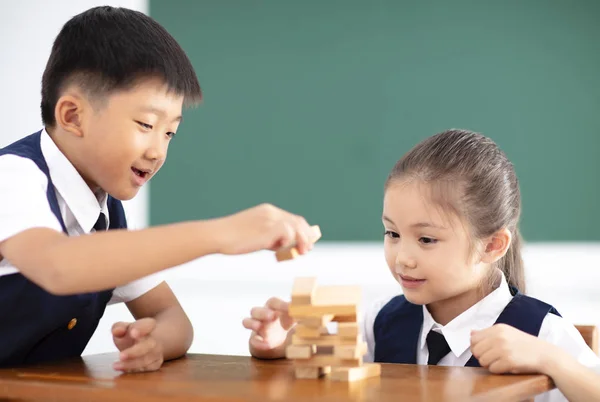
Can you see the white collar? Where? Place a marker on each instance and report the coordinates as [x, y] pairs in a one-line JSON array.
[[78, 196], [479, 316]]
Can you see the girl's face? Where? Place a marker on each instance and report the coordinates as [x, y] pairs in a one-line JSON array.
[[428, 251]]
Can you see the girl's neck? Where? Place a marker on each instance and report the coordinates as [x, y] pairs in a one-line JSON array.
[[444, 311]]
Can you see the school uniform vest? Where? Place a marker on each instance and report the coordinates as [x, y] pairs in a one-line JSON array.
[[36, 326], [397, 327]]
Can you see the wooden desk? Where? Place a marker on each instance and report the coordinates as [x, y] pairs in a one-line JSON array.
[[237, 378]]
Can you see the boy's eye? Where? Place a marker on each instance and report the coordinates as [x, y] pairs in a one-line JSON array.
[[390, 234], [144, 125], [427, 240], [170, 134]]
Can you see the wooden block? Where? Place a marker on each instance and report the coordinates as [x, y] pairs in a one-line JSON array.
[[348, 329], [286, 254], [300, 311], [337, 295], [300, 351], [326, 340], [327, 360], [311, 372], [310, 332], [345, 318], [350, 351], [316, 322], [290, 252], [303, 290], [356, 373]]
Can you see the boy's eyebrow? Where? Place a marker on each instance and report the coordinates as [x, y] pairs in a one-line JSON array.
[[385, 218], [159, 112]]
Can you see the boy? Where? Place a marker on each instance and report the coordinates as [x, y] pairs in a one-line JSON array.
[[112, 96]]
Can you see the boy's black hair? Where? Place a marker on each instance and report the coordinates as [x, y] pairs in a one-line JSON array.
[[105, 49]]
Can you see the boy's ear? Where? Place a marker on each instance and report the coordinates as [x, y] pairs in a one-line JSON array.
[[496, 246], [69, 113]]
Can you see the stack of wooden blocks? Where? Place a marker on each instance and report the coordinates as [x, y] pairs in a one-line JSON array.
[[314, 350]]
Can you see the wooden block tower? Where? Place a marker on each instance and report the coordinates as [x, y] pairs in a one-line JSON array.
[[314, 350]]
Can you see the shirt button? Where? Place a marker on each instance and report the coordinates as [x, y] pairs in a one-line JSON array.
[[72, 324]]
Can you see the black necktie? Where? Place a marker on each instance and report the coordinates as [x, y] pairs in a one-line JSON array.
[[100, 225], [438, 347]]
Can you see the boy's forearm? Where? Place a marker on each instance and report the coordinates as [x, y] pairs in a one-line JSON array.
[[69, 265], [577, 382], [174, 331]]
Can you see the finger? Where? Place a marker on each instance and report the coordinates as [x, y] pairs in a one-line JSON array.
[[262, 314], [477, 336], [286, 236], [276, 304], [141, 348], [119, 329], [287, 322], [489, 357], [142, 328], [481, 347], [500, 366], [314, 235], [303, 232], [252, 324], [259, 343], [144, 363]]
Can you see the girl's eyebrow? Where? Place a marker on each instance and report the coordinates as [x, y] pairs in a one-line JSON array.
[[427, 225], [418, 224]]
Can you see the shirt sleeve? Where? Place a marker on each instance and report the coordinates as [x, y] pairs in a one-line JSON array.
[[560, 332], [24, 203], [135, 289]]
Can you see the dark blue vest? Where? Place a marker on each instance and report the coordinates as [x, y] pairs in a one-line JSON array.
[[34, 323], [398, 326]]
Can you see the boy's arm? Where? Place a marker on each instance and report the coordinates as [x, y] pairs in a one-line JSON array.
[[68, 265], [173, 327]]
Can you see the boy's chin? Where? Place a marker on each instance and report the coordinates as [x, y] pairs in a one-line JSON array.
[[124, 194]]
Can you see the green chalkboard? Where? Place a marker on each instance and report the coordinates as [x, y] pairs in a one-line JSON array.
[[308, 104]]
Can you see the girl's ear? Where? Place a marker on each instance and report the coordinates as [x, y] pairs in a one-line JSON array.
[[496, 246]]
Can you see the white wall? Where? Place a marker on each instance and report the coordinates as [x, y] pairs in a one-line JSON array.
[[217, 292], [27, 31]]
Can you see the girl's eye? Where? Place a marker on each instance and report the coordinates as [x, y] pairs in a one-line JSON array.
[[390, 234], [427, 240], [170, 134], [144, 125]]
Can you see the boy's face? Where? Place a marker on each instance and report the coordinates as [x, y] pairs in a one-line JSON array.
[[426, 249], [126, 139]]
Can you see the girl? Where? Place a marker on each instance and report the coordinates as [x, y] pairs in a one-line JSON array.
[[450, 212]]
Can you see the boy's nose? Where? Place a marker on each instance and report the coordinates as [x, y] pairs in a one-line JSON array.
[[156, 151]]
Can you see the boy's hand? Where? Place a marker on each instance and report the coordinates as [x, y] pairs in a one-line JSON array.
[[270, 326], [139, 350], [263, 227], [504, 349]]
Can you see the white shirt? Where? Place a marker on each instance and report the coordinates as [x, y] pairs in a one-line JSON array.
[[24, 205], [554, 329]]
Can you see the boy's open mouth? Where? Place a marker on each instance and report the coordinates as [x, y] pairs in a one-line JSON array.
[[140, 173]]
